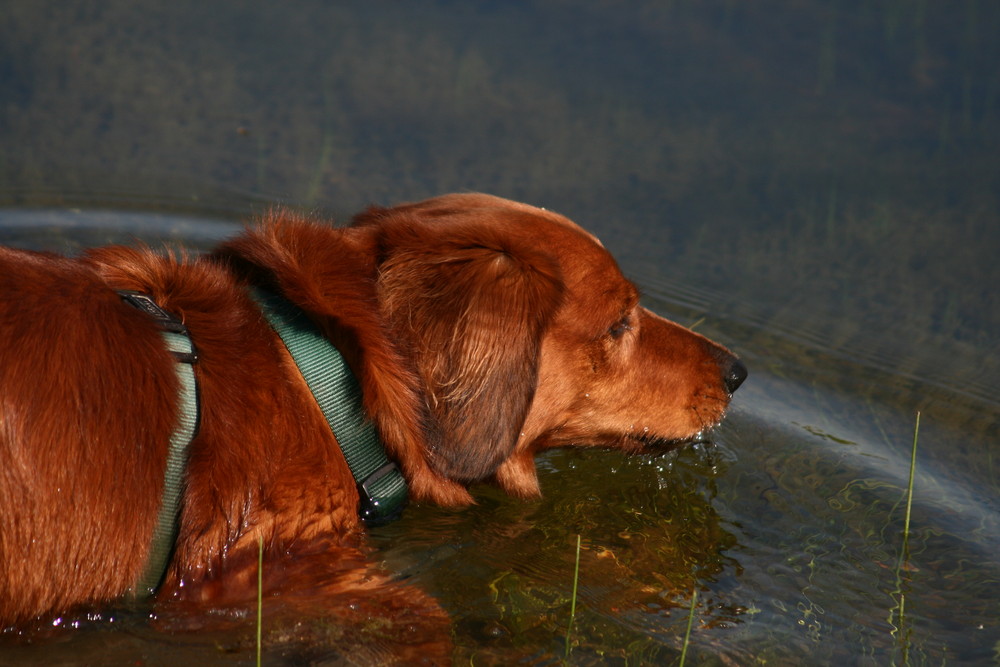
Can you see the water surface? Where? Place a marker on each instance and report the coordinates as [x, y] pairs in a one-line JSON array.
[[816, 185]]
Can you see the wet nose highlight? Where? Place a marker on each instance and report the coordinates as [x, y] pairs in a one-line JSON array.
[[734, 375]]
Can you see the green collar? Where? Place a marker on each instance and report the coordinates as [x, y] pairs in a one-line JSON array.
[[178, 341], [381, 486], [380, 483]]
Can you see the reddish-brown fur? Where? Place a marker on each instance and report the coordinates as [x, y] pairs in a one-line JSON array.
[[481, 331]]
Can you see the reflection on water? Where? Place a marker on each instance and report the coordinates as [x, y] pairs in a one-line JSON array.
[[812, 183]]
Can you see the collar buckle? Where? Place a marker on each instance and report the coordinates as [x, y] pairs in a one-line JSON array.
[[381, 498]]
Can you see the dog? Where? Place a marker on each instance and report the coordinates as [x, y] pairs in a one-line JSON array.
[[478, 332]]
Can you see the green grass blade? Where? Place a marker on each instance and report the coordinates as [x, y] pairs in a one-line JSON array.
[[687, 633], [572, 605], [904, 556], [909, 489], [260, 591]]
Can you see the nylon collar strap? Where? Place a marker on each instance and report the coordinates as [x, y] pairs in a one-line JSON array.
[[178, 341], [380, 483]]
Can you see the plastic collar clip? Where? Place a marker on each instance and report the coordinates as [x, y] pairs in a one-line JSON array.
[[167, 321], [372, 511]]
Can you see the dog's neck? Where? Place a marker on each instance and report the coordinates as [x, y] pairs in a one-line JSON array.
[[381, 486], [331, 274]]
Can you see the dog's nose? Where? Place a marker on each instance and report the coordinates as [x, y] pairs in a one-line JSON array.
[[734, 375]]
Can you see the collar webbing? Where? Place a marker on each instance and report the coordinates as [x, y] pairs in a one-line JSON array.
[[178, 341], [336, 390]]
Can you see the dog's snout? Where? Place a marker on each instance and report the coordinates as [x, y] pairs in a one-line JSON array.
[[734, 374]]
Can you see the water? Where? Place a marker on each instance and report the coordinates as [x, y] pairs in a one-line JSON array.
[[813, 184]]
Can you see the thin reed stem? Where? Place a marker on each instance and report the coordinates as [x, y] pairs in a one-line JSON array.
[[687, 633], [904, 554], [260, 592], [572, 605], [909, 488]]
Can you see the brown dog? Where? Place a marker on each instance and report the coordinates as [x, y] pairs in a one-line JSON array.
[[481, 331]]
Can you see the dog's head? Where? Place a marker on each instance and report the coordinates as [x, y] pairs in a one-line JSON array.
[[525, 335]]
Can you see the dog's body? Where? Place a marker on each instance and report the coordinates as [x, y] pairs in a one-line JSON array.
[[481, 331]]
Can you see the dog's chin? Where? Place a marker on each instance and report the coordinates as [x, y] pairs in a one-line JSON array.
[[653, 444]]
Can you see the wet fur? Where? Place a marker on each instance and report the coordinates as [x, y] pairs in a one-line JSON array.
[[481, 331]]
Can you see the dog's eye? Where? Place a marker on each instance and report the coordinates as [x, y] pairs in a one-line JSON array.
[[619, 328]]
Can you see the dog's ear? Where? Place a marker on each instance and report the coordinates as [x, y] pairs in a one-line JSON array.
[[472, 304]]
